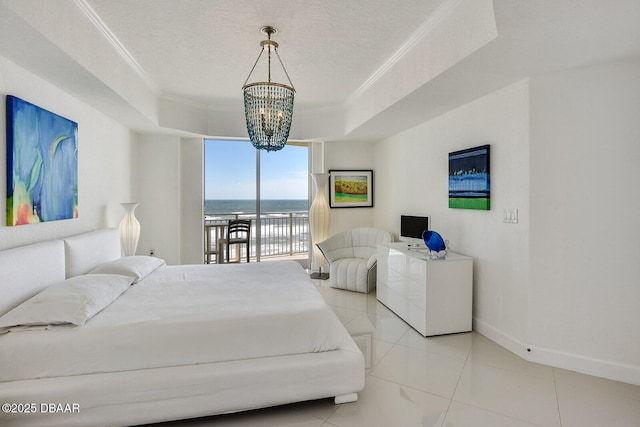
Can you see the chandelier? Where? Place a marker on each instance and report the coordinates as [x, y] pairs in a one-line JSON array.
[[268, 106]]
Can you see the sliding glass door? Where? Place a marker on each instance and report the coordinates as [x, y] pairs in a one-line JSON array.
[[284, 201], [271, 189], [230, 193]]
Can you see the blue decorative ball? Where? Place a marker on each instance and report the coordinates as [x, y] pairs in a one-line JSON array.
[[433, 240]]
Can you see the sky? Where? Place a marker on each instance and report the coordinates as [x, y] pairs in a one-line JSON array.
[[230, 171]]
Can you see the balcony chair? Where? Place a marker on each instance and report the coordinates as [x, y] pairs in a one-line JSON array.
[[213, 241], [352, 258], [239, 233]]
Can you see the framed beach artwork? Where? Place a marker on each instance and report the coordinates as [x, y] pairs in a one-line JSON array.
[[469, 178], [351, 188], [42, 164]]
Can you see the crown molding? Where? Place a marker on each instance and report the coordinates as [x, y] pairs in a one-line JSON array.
[[111, 38], [439, 15]]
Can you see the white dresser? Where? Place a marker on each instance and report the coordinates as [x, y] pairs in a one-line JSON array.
[[433, 296]]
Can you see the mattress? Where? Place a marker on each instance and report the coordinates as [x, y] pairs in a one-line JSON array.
[[185, 315]]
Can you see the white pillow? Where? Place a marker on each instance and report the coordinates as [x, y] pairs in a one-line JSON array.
[[67, 303], [137, 267]]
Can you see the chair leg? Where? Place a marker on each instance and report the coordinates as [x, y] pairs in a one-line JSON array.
[[238, 256], [220, 253]]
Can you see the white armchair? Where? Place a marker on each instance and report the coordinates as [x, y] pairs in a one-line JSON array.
[[352, 258]]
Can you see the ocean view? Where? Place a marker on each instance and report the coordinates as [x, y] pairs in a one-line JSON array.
[[281, 233], [249, 206]]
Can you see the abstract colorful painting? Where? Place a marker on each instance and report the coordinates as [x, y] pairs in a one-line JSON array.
[[469, 178], [42, 164], [351, 188]]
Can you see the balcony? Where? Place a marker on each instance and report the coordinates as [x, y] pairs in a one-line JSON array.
[[284, 235]]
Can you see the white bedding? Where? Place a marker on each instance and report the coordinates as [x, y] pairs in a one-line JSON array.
[[185, 315]]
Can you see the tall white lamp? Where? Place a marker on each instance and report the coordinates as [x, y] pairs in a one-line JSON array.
[[319, 222], [129, 229]]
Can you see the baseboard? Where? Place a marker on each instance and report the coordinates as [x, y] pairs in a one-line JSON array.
[[586, 365], [559, 359], [507, 341]]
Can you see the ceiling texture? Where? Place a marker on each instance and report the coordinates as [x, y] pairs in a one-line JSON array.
[[362, 69]]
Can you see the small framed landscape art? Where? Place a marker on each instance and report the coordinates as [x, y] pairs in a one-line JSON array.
[[42, 164], [351, 188], [469, 178]]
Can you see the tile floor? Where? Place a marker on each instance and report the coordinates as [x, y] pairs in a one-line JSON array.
[[453, 380]]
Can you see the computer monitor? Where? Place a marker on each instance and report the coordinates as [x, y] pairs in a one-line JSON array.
[[411, 228]]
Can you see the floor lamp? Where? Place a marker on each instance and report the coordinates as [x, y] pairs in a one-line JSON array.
[[319, 222]]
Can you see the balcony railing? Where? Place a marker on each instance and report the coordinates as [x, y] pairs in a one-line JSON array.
[[282, 234]]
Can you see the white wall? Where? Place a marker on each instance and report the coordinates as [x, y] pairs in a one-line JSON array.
[[585, 255], [171, 184], [159, 190], [192, 201], [351, 156], [565, 149], [412, 178], [106, 153]]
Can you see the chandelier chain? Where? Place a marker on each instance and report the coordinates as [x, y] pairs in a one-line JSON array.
[[269, 62], [254, 67], [285, 70]]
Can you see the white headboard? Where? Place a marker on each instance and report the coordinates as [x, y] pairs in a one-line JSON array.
[[27, 270], [86, 251]]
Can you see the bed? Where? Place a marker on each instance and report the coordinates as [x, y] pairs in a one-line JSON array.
[[157, 343]]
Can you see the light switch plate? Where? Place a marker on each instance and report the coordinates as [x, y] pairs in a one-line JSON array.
[[510, 216]]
